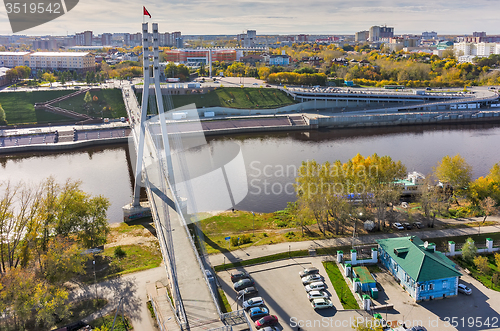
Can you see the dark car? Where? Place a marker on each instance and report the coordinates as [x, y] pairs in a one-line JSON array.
[[266, 321], [247, 292], [407, 226], [244, 283], [308, 271], [239, 275], [417, 225]]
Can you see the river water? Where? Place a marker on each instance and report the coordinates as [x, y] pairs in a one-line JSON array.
[[271, 160]]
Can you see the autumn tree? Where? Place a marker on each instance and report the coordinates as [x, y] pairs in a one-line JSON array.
[[3, 120], [87, 98], [454, 171], [481, 264], [49, 77]]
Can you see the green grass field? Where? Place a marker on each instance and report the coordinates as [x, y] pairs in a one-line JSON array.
[[20, 106], [232, 97], [343, 292], [105, 98]]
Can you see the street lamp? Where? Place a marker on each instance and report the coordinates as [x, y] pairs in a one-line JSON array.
[[253, 221], [95, 280]]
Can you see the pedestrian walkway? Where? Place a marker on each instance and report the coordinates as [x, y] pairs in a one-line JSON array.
[[259, 251]]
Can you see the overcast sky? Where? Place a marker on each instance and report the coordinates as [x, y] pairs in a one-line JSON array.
[[275, 16]]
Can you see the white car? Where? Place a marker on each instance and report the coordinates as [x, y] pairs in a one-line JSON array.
[[464, 289], [315, 286], [317, 295], [311, 279], [398, 226], [321, 303], [254, 302]]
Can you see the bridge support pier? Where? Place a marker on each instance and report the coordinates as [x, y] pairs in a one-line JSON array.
[[131, 212]]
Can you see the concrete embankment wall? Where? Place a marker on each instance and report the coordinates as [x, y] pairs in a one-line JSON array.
[[62, 146]]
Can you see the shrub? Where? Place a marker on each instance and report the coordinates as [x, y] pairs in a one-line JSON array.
[[469, 250], [244, 239], [496, 278], [119, 252], [290, 234]]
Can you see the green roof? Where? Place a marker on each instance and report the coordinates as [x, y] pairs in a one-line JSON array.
[[364, 275], [419, 263], [405, 182]]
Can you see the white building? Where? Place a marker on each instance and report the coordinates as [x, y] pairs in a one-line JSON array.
[[13, 59], [79, 61]]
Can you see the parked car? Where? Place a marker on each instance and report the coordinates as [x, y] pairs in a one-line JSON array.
[[315, 286], [321, 303], [317, 295], [407, 225], [209, 274], [244, 283], [239, 275], [308, 271], [267, 85], [270, 328], [258, 312], [255, 84], [398, 226], [311, 279], [248, 291], [254, 302], [464, 289], [417, 225], [266, 321]]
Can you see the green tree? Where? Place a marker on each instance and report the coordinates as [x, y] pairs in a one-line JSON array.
[[49, 77], [469, 250], [3, 120], [497, 260], [93, 226]]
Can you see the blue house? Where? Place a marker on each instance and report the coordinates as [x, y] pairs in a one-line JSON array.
[[422, 271], [279, 60]]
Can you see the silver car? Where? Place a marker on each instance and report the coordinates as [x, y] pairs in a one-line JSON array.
[[317, 295]]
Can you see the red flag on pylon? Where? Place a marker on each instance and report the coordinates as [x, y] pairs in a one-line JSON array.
[[146, 12]]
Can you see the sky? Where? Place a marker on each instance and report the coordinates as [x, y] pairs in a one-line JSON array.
[[274, 16]]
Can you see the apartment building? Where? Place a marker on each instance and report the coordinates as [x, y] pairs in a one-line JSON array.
[[14, 59], [78, 61]]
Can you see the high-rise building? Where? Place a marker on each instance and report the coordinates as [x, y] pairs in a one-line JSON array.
[[378, 33], [49, 44], [106, 39], [362, 36], [429, 35], [84, 38], [247, 39]]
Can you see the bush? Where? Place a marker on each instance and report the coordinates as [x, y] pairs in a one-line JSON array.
[[119, 252], [290, 234], [244, 239], [496, 278]]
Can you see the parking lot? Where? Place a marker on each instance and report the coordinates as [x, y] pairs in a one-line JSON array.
[[455, 313], [281, 288]]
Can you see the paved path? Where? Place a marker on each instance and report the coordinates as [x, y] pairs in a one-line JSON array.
[[132, 288], [258, 251]]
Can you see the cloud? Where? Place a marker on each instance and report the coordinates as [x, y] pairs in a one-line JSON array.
[[273, 16]]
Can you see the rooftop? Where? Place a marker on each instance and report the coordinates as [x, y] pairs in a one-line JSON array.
[[78, 54], [14, 53], [420, 263]]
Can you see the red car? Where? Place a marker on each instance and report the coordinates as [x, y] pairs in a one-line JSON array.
[[266, 321]]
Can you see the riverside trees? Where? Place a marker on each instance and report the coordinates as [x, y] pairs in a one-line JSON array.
[[44, 229], [339, 193]]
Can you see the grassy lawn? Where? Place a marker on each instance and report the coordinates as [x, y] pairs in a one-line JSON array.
[[442, 242], [261, 259], [105, 98], [20, 106], [82, 309], [233, 97], [224, 304], [485, 279], [343, 292], [137, 258], [105, 323]]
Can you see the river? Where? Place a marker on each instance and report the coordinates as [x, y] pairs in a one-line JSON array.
[[271, 159]]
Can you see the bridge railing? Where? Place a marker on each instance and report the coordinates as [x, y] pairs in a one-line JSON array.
[[202, 264]]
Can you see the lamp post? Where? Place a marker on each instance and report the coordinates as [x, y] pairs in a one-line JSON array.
[[289, 247], [253, 222], [95, 280]]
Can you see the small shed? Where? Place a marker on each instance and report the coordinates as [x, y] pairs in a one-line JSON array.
[[366, 279]]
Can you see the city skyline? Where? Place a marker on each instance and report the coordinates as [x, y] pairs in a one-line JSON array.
[[195, 17]]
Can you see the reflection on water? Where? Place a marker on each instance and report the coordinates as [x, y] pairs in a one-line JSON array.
[[102, 170], [271, 160]]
